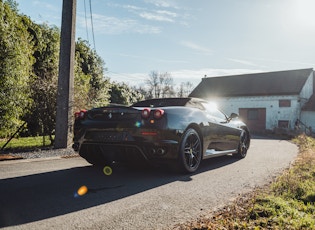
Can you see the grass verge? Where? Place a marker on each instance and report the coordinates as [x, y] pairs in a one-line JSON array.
[[25, 143], [289, 203]]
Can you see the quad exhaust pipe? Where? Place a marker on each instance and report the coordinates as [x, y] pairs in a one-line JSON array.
[[160, 151]]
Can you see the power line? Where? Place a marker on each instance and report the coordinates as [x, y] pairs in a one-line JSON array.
[[86, 26]]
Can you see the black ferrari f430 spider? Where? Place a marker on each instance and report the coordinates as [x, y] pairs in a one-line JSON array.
[[176, 131]]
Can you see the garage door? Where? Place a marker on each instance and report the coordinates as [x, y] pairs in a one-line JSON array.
[[255, 118]]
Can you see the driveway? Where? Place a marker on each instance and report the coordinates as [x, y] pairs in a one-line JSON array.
[[40, 194]]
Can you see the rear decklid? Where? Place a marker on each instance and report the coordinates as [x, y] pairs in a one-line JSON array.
[[113, 113], [117, 116]]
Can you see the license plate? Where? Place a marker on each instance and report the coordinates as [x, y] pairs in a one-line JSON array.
[[105, 136]]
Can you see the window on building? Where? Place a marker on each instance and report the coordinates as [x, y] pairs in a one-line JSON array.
[[252, 114], [283, 124], [284, 103]]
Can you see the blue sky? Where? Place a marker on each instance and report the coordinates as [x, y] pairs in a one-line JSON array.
[[190, 38]]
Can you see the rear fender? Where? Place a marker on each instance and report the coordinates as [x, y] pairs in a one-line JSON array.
[[198, 130]]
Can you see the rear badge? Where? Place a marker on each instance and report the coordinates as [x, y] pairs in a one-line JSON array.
[[110, 115]]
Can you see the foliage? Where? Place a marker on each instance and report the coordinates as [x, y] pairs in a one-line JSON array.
[[121, 93], [81, 89], [29, 74], [12, 4], [91, 88], [278, 212], [15, 69], [41, 118]]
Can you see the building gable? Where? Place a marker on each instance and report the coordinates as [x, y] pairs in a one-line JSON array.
[[310, 105]]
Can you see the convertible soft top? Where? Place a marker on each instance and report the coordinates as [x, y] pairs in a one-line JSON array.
[[163, 102]]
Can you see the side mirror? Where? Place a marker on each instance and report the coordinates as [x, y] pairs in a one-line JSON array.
[[233, 115]]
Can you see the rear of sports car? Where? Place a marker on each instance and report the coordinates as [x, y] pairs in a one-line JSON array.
[[124, 134]]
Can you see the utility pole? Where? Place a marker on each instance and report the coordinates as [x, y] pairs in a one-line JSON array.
[[64, 117]]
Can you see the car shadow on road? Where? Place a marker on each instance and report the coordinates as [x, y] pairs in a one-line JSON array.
[[37, 197]]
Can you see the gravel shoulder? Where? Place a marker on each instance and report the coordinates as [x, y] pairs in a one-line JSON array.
[[38, 153]]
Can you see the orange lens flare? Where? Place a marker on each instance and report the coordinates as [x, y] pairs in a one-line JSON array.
[[81, 191]]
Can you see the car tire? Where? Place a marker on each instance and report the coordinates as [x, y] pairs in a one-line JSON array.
[[190, 151], [243, 145]]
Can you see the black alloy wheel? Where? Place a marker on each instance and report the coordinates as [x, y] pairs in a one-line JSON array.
[[243, 145], [190, 151]]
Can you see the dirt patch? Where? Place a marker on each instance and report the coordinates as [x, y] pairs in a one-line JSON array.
[[5, 157]]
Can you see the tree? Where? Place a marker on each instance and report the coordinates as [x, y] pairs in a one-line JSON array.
[[42, 117], [160, 85], [89, 84], [29, 74], [121, 93], [185, 89], [15, 69], [90, 67]]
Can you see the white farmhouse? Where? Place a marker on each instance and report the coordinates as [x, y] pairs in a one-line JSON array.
[[265, 101], [308, 113]]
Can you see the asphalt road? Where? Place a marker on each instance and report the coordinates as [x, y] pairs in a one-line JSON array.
[[40, 194]]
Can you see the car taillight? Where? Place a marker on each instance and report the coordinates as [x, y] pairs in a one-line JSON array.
[[80, 115], [76, 115], [149, 133], [158, 113], [145, 113]]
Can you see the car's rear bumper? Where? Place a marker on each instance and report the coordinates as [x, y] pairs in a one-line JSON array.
[[125, 146]]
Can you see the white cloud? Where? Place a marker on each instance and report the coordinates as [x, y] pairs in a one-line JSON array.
[[161, 11], [131, 7], [112, 25], [169, 13], [242, 62], [151, 58], [179, 76], [284, 61], [196, 47], [150, 13], [155, 17], [195, 76], [162, 3], [273, 64]]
